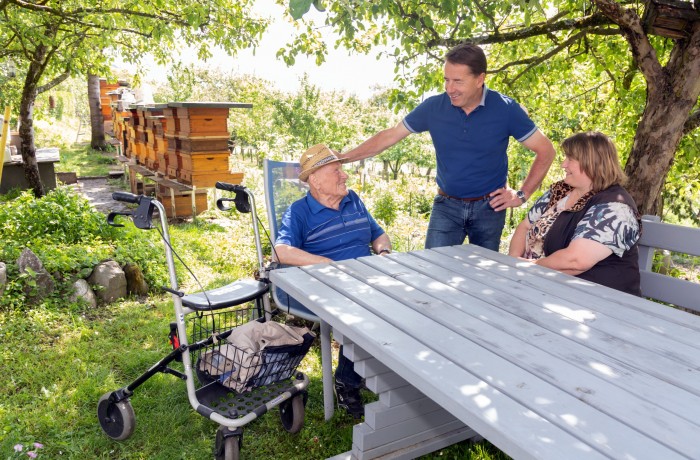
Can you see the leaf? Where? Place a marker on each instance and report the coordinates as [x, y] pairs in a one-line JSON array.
[[298, 8], [318, 4]]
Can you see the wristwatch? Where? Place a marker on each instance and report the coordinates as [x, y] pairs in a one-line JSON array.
[[520, 194]]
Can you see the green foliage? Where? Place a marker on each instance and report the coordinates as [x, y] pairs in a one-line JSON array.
[[384, 208], [70, 238]]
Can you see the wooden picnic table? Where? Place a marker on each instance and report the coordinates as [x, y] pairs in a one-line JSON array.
[[542, 364]]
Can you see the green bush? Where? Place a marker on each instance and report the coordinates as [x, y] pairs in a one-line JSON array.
[[70, 238], [385, 208]]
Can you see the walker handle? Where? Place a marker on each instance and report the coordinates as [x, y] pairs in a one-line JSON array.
[[230, 187], [126, 197]]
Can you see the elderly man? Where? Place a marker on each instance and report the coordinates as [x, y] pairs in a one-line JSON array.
[[330, 223]]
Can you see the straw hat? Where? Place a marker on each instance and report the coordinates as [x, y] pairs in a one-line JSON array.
[[315, 157]]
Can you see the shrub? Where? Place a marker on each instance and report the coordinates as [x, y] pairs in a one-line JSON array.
[[70, 238], [385, 208]]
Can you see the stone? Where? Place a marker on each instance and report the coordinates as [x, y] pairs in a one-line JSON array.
[[109, 280], [82, 290], [135, 282], [43, 284]]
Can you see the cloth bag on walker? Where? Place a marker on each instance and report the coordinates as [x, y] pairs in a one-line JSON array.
[[240, 360]]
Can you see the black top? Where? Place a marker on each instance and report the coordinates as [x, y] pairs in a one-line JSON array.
[[621, 273]]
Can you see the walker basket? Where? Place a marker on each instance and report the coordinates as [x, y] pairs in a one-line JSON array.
[[241, 369]]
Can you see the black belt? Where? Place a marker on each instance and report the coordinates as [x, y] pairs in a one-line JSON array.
[[477, 198]]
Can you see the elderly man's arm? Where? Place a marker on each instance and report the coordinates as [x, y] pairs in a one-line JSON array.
[[579, 256], [381, 244], [289, 255], [376, 144]]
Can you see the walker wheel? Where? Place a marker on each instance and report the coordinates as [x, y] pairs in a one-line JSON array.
[[292, 414], [227, 448], [116, 419]]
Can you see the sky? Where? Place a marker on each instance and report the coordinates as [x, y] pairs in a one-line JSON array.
[[353, 73]]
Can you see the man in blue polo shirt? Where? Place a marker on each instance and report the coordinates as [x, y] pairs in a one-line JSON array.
[[329, 223], [470, 126]]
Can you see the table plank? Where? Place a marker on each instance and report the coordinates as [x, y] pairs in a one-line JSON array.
[[462, 314], [491, 413], [454, 287], [597, 292], [657, 361]]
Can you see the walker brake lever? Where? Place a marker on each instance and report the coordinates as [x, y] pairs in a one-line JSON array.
[[113, 214]]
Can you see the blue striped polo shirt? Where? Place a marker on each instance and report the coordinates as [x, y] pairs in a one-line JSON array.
[[340, 234], [471, 150]]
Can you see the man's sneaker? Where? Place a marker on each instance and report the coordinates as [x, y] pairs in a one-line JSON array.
[[349, 399]]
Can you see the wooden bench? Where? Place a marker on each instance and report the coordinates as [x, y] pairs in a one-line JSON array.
[[657, 286]]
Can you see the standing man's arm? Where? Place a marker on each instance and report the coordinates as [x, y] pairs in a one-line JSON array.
[[376, 144], [504, 198]]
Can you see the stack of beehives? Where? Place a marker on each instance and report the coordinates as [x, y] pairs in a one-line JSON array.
[[197, 140]]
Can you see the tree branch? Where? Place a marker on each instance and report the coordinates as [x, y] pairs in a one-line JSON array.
[[692, 123], [74, 15], [542, 28], [55, 82], [633, 31]]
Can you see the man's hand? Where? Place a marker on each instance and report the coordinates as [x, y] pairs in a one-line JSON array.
[[505, 198]]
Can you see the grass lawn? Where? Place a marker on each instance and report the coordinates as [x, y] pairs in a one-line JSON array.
[[85, 162], [56, 365]]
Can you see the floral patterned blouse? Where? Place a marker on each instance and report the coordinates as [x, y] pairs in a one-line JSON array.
[[614, 224]]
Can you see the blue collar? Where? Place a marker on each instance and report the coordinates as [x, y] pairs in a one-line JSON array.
[[315, 207]]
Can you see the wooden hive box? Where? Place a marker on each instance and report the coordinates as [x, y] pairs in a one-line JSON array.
[[208, 178], [173, 163], [669, 18], [151, 160], [183, 201], [205, 162], [204, 118], [204, 144], [163, 161], [172, 122], [203, 121]]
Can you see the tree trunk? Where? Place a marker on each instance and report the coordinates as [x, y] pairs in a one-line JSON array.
[[658, 135], [26, 122], [97, 126], [672, 91]]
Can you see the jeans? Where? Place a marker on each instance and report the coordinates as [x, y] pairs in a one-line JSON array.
[[345, 372], [452, 220]]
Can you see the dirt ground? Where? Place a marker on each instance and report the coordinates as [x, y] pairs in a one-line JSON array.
[[98, 192]]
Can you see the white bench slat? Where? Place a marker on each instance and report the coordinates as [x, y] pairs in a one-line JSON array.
[[385, 382], [370, 367], [522, 440], [672, 290], [676, 238], [472, 357]]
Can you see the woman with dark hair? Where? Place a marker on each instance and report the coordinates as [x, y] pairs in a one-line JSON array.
[[586, 225]]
